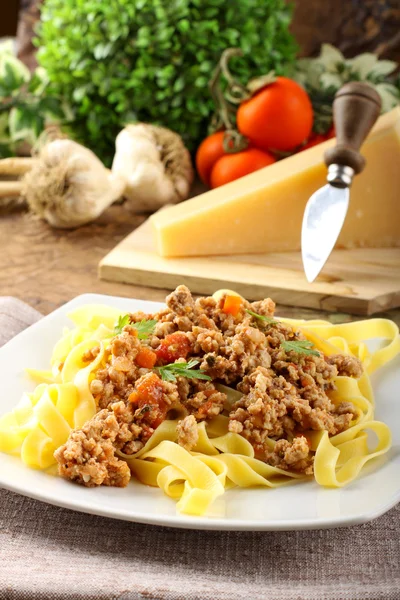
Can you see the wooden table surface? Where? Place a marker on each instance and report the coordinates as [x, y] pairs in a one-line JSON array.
[[47, 267]]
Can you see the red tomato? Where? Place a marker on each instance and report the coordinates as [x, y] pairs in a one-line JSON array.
[[318, 138], [209, 151], [173, 346], [232, 166], [314, 140], [331, 133], [278, 117]]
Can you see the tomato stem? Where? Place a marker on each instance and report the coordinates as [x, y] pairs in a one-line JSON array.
[[236, 91], [222, 107], [234, 141], [225, 113]]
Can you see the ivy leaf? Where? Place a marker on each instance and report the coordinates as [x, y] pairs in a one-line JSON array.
[[390, 95], [331, 80], [330, 57], [25, 124], [300, 346], [383, 68], [39, 82], [13, 73], [363, 64]]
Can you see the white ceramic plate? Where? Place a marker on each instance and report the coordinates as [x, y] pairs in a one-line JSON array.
[[301, 506]]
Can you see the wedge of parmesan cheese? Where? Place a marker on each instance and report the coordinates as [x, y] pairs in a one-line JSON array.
[[263, 212]]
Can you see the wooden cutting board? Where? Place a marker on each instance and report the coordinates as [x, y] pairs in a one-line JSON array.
[[363, 281]]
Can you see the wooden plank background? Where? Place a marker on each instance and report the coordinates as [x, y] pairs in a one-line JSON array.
[[9, 18]]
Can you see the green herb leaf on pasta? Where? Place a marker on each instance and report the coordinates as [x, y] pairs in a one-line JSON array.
[[268, 320], [300, 346], [120, 324], [145, 328], [184, 369]]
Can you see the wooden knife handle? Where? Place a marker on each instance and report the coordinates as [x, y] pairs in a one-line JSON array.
[[356, 107]]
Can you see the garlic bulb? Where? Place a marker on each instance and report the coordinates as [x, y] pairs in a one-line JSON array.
[[155, 164], [68, 185]]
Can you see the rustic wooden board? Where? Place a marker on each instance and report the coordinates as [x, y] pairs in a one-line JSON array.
[[362, 281]]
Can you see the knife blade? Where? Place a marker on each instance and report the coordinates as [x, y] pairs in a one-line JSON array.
[[355, 109]]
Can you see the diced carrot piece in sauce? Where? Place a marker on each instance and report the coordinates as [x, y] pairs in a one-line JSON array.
[[173, 346], [146, 358], [232, 305]]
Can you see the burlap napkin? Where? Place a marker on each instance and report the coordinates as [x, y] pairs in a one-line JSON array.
[[53, 553]]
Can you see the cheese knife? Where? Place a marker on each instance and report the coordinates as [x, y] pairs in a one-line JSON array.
[[356, 107]]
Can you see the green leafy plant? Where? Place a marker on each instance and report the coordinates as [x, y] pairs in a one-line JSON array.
[[151, 60], [324, 75], [25, 108]]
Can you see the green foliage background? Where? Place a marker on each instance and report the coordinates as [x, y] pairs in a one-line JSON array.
[[117, 61], [25, 106]]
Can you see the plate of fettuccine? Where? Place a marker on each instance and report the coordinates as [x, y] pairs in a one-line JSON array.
[[207, 413]]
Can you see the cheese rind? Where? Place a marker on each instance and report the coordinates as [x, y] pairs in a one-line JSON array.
[[263, 212]]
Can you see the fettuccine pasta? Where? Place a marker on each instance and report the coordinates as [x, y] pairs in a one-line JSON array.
[[68, 396], [62, 401]]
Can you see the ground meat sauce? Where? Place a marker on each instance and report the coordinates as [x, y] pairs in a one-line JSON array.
[[285, 393]]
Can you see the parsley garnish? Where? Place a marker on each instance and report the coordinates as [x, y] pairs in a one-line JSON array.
[[268, 320], [300, 346], [144, 328], [184, 369], [120, 324]]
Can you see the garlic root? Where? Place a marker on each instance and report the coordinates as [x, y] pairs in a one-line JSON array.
[[155, 164], [68, 185], [15, 165], [10, 189]]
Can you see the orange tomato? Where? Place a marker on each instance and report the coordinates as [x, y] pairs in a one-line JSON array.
[[209, 151], [232, 305], [232, 166], [278, 117]]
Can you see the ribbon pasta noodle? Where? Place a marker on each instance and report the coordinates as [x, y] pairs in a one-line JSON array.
[[62, 401]]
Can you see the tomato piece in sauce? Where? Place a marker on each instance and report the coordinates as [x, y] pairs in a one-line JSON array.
[[149, 396], [173, 346]]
